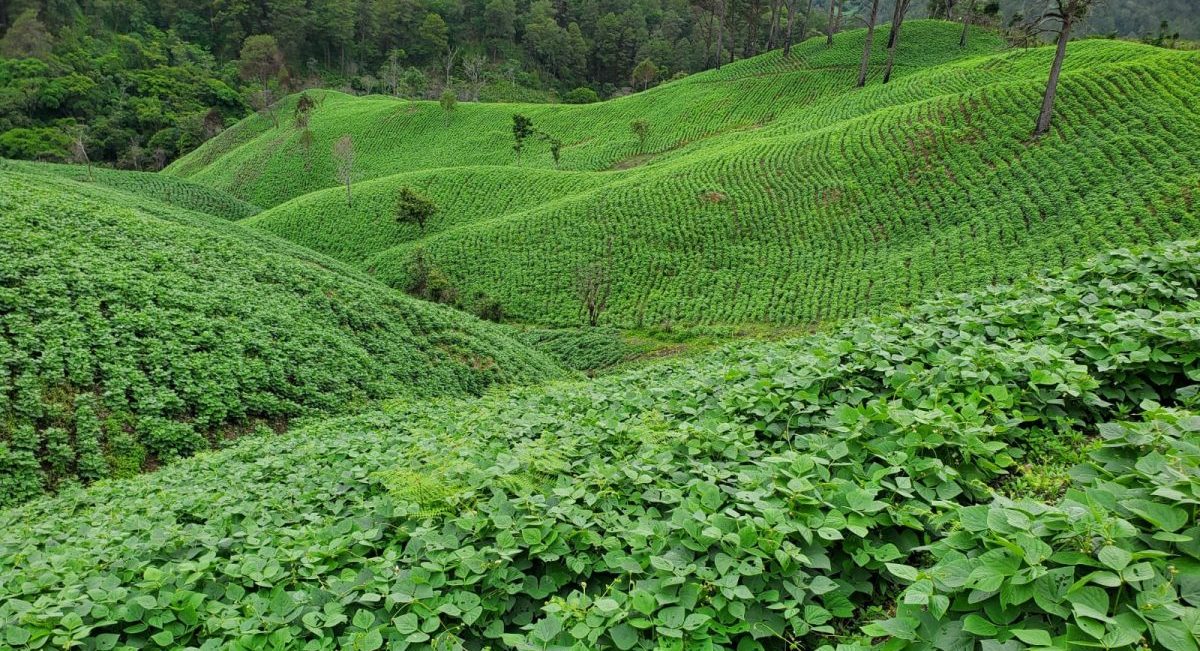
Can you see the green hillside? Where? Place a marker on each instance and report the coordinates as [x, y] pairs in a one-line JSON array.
[[162, 188], [901, 481], [133, 333], [767, 191]]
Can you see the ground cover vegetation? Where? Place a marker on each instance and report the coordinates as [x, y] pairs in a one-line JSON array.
[[1006, 469], [160, 188], [769, 191], [133, 333]]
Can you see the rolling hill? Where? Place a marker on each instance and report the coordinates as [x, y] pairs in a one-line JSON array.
[[897, 483], [160, 188], [133, 333], [767, 191]]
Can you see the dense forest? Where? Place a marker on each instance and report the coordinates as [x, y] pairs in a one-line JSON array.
[[136, 83]]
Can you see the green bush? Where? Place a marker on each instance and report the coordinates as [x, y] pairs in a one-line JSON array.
[[581, 95], [39, 143]]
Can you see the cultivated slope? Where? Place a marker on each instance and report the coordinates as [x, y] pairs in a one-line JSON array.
[[267, 165], [162, 188], [132, 333], [767, 493], [771, 190]]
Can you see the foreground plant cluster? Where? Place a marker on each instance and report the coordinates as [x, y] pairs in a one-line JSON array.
[[1003, 470]]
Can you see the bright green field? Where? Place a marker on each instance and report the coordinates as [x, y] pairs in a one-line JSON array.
[[133, 333], [898, 483], [770, 191], [161, 188]]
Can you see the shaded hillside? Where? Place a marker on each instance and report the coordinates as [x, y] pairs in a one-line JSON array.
[[133, 333]]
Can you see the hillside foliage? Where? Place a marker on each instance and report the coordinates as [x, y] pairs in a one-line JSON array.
[[141, 98], [899, 482], [133, 333], [769, 191], [160, 188]]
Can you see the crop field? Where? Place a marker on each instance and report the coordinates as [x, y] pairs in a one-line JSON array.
[[368, 226], [161, 188], [133, 333], [769, 191], [266, 165], [900, 482]]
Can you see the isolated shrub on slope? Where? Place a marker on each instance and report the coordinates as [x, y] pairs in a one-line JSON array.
[[414, 207]]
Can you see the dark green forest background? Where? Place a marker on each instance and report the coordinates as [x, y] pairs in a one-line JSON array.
[[136, 83]]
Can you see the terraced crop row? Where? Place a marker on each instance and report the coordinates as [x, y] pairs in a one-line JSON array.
[[163, 188], [943, 194], [267, 166], [323, 221]]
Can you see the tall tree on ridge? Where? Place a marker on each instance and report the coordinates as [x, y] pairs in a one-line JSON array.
[[1067, 13], [260, 60], [787, 48], [835, 12], [865, 63], [894, 36], [719, 13], [774, 24]]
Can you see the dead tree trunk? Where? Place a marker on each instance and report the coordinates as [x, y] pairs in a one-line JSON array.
[[962, 40], [894, 37], [719, 10], [865, 63], [774, 24], [1043, 123], [829, 25]]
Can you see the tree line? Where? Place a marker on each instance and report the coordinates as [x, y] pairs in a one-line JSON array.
[[137, 83]]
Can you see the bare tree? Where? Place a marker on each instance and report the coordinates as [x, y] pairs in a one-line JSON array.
[[719, 13], [894, 36], [79, 154], [343, 157], [1066, 13], [865, 62], [592, 287], [773, 23], [473, 69], [136, 153], [448, 62], [787, 44], [389, 73], [264, 103]]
